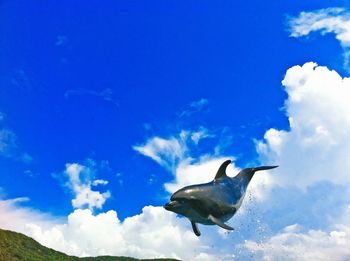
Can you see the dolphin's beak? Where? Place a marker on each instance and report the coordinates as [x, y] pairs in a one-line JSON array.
[[264, 168], [167, 206], [170, 205]]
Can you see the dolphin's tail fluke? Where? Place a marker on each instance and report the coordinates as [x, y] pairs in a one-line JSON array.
[[248, 173], [264, 168]]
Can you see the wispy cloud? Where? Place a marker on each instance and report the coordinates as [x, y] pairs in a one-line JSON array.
[[9, 147], [30, 173], [170, 151], [2, 116], [8, 142], [329, 20], [194, 107], [166, 152], [61, 40], [21, 80], [106, 94]]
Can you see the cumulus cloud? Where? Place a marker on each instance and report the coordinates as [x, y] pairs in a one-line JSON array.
[[80, 181], [329, 20], [316, 147]]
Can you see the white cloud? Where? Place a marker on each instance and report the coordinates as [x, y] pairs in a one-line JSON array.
[[80, 180], [317, 146], [330, 20]]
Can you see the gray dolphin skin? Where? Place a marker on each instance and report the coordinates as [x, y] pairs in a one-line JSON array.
[[215, 202]]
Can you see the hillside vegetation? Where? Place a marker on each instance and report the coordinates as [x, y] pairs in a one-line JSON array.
[[15, 246]]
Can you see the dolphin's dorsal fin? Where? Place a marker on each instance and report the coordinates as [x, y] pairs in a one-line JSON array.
[[222, 170]]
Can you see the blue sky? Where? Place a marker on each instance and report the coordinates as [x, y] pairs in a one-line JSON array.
[[122, 100]]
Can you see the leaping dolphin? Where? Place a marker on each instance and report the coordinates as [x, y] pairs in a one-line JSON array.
[[215, 202]]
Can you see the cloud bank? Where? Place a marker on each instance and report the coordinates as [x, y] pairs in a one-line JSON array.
[[153, 233]]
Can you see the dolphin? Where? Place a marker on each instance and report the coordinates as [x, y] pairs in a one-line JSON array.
[[215, 202]]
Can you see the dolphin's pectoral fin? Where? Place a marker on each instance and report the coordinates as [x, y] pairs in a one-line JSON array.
[[220, 223], [195, 229]]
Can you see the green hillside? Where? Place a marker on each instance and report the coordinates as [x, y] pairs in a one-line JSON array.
[[16, 246]]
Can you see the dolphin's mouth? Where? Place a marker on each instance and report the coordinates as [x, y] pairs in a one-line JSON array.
[[172, 204]]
